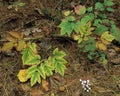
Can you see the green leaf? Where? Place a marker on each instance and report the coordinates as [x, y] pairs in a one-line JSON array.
[[41, 71], [29, 55], [65, 27], [97, 22], [108, 3], [60, 68], [31, 70], [35, 78], [58, 54], [100, 29], [70, 18], [90, 9], [115, 32], [110, 9], [99, 6], [21, 4]]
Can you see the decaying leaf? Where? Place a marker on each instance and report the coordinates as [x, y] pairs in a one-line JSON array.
[[45, 85], [22, 75], [101, 46], [7, 46]]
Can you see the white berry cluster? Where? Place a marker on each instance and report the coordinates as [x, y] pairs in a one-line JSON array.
[[86, 85]]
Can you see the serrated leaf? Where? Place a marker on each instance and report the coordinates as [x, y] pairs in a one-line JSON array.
[[20, 46], [100, 29], [22, 75], [65, 27], [35, 78], [33, 47], [7, 46], [29, 56], [60, 68], [80, 9], [41, 71], [70, 18], [58, 54], [107, 36], [31, 70]]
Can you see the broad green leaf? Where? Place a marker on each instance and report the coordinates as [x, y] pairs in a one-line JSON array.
[[41, 71], [99, 6], [87, 18], [48, 70], [109, 9], [115, 32], [65, 27], [35, 78], [100, 29], [107, 36], [108, 3]]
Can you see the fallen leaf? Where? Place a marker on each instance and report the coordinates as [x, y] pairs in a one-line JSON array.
[[22, 75], [45, 85], [15, 35], [36, 92], [7, 46]]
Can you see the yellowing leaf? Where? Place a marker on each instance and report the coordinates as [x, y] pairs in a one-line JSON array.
[[10, 39], [105, 42], [78, 38], [66, 13], [101, 46], [22, 75], [7, 46], [107, 36], [21, 45], [15, 35]]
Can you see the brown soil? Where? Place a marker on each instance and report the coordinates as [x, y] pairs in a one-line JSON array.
[[45, 15]]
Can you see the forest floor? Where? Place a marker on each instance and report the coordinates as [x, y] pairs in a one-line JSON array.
[[104, 79]]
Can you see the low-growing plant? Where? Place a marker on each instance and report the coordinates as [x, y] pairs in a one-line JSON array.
[[89, 27], [37, 69], [40, 69]]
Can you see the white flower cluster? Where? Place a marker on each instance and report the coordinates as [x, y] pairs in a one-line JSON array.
[[86, 85]]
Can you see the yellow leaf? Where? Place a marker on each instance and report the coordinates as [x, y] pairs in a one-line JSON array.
[[107, 36], [101, 46], [15, 35], [7, 46], [10, 39], [78, 38], [22, 75], [21, 45], [105, 42], [66, 13]]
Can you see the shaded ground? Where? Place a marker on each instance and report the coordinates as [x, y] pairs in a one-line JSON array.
[[105, 79]]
